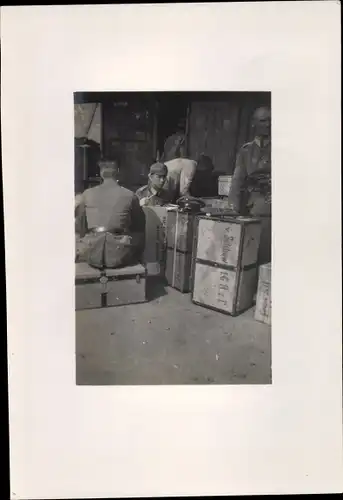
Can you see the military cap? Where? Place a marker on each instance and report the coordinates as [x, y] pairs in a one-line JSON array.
[[159, 168], [108, 165]]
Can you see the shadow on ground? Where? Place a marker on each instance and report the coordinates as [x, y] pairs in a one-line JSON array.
[[155, 287]]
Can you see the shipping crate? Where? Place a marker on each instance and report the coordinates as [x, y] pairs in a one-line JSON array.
[[181, 229], [224, 185], [225, 264], [110, 287], [155, 240], [217, 204], [263, 309]]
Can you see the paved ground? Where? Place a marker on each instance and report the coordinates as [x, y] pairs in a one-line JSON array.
[[169, 340]]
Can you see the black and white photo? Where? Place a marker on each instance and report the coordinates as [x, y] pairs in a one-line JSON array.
[[173, 238]]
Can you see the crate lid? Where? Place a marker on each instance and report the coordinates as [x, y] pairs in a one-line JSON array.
[[84, 270], [126, 271], [228, 217]]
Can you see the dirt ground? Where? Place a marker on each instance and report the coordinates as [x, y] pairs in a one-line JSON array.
[[169, 340]]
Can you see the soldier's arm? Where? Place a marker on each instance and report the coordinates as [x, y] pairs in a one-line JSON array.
[[140, 192], [80, 215], [238, 180], [186, 177], [78, 200]]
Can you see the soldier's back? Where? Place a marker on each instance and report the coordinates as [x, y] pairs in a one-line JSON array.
[[108, 204]]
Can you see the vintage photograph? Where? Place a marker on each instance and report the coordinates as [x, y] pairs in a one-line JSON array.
[[173, 238]]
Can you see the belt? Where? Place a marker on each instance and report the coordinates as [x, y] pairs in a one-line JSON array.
[[99, 229], [102, 229]]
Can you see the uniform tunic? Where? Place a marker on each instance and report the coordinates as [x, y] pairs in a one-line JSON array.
[[104, 215], [251, 189], [181, 172], [153, 199]]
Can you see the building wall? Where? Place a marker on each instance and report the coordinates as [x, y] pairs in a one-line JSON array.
[[218, 127], [126, 126], [129, 138], [87, 121]]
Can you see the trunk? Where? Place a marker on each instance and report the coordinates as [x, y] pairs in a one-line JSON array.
[[155, 240], [111, 287], [225, 271], [181, 230], [126, 286]]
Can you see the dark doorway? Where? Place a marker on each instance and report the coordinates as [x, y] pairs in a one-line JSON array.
[[171, 116]]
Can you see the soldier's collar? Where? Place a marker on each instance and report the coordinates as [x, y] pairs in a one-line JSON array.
[[258, 141]]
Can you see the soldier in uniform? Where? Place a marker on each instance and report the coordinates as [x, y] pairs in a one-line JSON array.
[[181, 170], [250, 192], [153, 194], [110, 224]]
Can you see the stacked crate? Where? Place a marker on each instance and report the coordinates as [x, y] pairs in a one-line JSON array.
[[225, 264], [155, 240], [181, 229], [263, 310]]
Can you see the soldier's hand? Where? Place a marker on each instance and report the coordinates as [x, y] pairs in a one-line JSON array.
[[143, 202], [126, 240]]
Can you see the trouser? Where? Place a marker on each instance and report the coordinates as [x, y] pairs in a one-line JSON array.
[[104, 250]]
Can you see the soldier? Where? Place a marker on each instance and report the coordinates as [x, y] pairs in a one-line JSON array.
[[250, 192], [110, 223], [152, 194], [181, 170]]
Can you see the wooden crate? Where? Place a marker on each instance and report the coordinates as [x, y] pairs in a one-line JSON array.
[[155, 240], [263, 309], [225, 267], [181, 229], [224, 185], [217, 202], [110, 287], [179, 270]]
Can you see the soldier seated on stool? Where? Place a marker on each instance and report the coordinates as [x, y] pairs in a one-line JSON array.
[[153, 194], [110, 224]]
